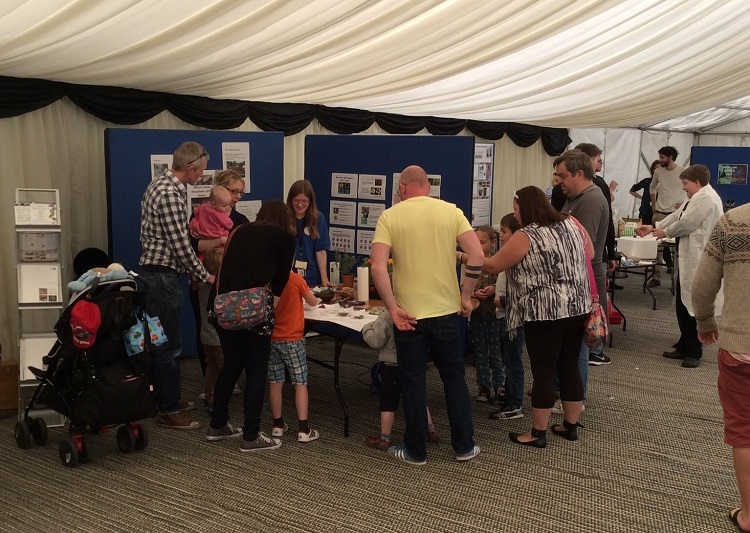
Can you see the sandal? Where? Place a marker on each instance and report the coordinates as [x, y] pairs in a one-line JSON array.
[[733, 517], [570, 432], [540, 438]]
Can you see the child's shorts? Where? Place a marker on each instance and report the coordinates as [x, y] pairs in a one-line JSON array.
[[390, 388], [294, 356]]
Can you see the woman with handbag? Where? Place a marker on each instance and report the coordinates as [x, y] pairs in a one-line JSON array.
[[255, 269], [549, 296]]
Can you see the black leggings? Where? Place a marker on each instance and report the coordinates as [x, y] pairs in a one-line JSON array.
[[553, 347]]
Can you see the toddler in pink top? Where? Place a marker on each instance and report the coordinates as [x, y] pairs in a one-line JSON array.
[[211, 219]]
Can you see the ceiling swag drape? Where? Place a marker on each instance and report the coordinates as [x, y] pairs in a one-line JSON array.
[[132, 106]]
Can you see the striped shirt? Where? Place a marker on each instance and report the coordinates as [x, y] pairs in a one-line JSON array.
[[551, 281], [165, 239]]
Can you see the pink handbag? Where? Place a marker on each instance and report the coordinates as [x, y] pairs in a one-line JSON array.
[[596, 329]]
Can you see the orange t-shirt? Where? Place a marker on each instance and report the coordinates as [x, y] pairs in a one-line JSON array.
[[290, 313]]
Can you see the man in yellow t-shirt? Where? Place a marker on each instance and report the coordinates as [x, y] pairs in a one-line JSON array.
[[421, 233]]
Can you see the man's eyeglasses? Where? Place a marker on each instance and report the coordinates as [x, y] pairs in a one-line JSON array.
[[203, 154], [235, 192]]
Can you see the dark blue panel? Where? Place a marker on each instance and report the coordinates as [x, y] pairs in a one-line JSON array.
[[712, 157], [450, 156], [128, 165]]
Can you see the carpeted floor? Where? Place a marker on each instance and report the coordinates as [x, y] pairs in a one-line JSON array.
[[651, 459]]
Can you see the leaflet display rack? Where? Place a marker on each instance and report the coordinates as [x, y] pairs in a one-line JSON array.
[[39, 259]]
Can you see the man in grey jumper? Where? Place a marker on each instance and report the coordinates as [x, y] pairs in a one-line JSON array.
[[586, 203]]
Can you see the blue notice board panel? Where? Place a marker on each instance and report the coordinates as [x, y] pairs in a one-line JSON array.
[[128, 172], [729, 170], [450, 157]]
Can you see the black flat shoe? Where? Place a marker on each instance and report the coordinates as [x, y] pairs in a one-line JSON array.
[[540, 440], [676, 354], [568, 430]]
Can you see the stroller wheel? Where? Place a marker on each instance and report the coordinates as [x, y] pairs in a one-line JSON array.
[[141, 436], [39, 430], [68, 453], [84, 451], [125, 439], [23, 434]]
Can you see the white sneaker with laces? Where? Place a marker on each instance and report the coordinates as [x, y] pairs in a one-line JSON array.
[[308, 437], [279, 432]]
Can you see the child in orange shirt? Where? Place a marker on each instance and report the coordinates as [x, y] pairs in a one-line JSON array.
[[288, 349]]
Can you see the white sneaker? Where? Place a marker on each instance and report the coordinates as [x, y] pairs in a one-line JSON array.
[[202, 396], [558, 410], [308, 437], [279, 432], [235, 391], [468, 456]]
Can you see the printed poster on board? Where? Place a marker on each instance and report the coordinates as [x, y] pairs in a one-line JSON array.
[[343, 185], [342, 239], [371, 187], [342, 213]]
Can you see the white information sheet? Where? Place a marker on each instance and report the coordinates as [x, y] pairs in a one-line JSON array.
[[481, 202], [236, 157], [368, 214], [371, 187], [342, 239], [364, 241], [160, 163], [36, 213], [199, 193], [343, 185], [435, 181], [38, 283], [342, 213], [249, 208]]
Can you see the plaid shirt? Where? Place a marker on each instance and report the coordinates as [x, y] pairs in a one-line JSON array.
[[164, 232]]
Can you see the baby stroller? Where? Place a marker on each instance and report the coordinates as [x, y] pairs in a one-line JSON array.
[[89, 377]]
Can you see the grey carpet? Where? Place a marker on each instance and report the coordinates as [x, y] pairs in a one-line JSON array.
[[651, 459]]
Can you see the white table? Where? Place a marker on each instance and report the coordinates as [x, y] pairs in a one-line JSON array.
[[344, 327]]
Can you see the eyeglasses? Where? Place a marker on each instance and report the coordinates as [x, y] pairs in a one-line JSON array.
[[235, 192], [300, 202], [203, 154]]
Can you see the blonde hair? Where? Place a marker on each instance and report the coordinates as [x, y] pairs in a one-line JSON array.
[[212, 260]]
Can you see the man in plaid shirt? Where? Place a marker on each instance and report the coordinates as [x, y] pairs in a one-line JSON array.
[[167, 255]]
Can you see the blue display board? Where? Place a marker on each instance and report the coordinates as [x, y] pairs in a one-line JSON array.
[[729, 171], [450, 157], [128, 172]]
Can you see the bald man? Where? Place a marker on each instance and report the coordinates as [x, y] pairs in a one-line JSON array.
[[420, 234]]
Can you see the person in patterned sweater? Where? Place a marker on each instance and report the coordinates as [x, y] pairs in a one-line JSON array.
[[726, 258]]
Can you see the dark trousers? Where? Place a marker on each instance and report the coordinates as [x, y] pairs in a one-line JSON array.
[[248, 351], [195, 305], [438, 337], [553, 347], [689, 345]]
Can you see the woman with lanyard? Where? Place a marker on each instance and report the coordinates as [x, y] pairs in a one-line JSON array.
[[311, 251]]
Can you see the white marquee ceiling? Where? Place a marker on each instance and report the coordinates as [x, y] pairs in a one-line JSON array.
[[563, 63]]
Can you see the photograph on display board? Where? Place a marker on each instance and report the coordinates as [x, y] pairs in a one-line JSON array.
[[364, 241], [371, 187], [342, 240], [732, 174], [344, 185], [342, 213], [160, 163], [200, 191], [368, 214], [236, 157]]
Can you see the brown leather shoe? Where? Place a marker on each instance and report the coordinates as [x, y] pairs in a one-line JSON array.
[[177, 421], [378, 443]]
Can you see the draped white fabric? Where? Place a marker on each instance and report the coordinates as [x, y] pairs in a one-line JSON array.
[[564, 63]]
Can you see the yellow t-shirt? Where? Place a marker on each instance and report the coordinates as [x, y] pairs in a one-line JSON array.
[[422, 233]]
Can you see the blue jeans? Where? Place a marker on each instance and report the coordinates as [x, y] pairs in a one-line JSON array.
[[164, 299], [512, 354], [438, 337], [248, 351], [485, 335]]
